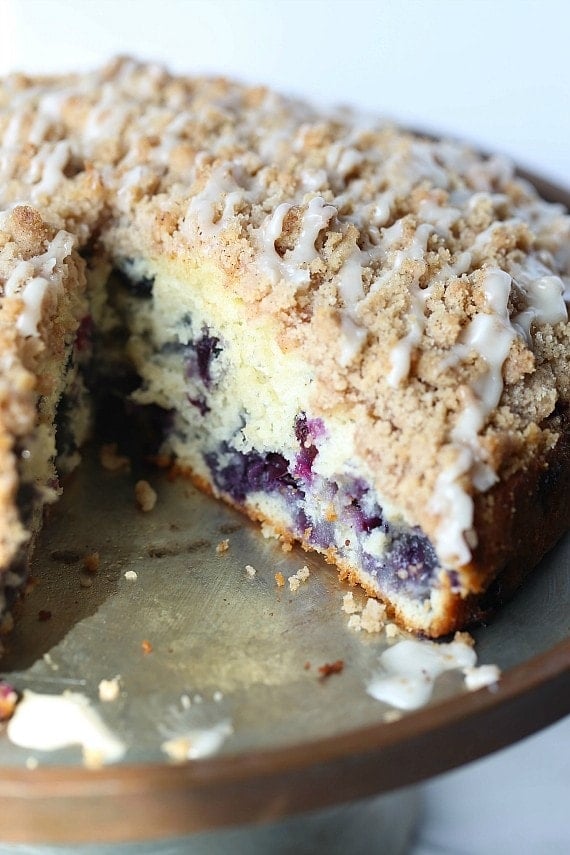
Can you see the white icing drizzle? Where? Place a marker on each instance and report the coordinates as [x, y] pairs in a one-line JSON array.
[[408, 671], [30, 280], [32, 294], [221, 185], [51, 722], [315, 218], [490, 335], [48, 166], [106, 120], [294, 264], [544, 297], [22, 271], [401, 354], [454, 506]]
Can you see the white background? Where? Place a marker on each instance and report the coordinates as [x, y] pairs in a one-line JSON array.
[[496, 73]]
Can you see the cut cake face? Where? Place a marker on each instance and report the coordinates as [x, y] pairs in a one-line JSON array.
[[356, 335]]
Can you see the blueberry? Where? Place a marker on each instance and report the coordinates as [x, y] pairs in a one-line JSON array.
[[413, 553], [308, 428], [137, 287], [199, 355], [200, 404], [306, 431], [366, 522], [206, 351], [250, 472], [84, 335]]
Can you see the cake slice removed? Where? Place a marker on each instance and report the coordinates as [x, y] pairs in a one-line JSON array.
[[42, 286]]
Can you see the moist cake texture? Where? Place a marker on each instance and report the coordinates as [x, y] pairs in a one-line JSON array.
[[356, 335]]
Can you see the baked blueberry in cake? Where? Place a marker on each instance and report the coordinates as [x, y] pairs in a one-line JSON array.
[[356, 335]]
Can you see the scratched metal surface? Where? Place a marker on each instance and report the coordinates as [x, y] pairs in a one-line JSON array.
[[242, 649]]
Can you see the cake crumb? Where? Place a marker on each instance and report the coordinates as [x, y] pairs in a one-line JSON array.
[[349, 604], [131, 575], [330, 668], [391, 630], [280, 579], [251, 571], [145, 496], [146, 646], [307, 666], [464, 638], [300, 576], [109, 690], [91, 562], [372, 617], [223, 546], [355, 623], [111, 460], [85, 579], [391, 715], [286, 546], [31, 763]]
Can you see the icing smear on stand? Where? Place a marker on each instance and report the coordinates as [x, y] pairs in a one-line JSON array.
[[408, 671], [51, 722]]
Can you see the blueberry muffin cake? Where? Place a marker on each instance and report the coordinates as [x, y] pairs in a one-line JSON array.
[[356, 335]]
